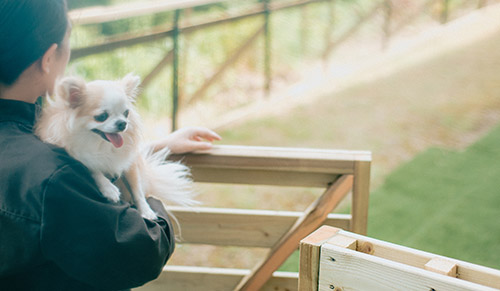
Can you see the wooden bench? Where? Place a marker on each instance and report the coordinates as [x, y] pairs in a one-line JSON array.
[[338, 172], [333, 259]]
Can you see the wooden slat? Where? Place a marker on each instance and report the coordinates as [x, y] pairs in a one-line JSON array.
[[100, 14], [262, 177], [276, 166], [352, 270], [307, 223], [275, 158], [241, 227], [312, 157], [177, 278]]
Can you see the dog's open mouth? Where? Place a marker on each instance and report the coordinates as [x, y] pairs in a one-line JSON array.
[[114, 138]]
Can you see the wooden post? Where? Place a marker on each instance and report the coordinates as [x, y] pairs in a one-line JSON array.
[[267, 48], [360, 197], [310, 248], [175, 87]]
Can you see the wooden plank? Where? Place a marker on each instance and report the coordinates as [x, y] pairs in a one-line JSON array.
[[416, 258], [311, 220], [360, 197], [100, 14], [177, 278], [310, 248], [352, 270], [393, 252], [276, 158], [308, 154], [240, 227], [479, 274], [262, 177], [278, 166]]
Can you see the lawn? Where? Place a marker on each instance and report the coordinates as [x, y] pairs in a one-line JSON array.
[[445, 202]]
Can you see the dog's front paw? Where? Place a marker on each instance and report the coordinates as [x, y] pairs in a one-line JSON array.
[[148, 213], [111, 192]]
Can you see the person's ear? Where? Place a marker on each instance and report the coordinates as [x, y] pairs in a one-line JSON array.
[[48, 58]]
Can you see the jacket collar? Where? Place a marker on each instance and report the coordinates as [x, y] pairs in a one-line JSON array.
[[18, 111]]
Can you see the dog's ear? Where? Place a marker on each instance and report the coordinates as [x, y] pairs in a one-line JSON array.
[[72, 90], [131, 83]]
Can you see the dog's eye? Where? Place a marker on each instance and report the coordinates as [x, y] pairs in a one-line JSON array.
[[101, 117], [126, 113]]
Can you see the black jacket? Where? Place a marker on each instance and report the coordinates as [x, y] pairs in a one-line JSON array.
[[57, 232]]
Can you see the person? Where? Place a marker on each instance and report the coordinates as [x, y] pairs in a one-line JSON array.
[[57, 231]]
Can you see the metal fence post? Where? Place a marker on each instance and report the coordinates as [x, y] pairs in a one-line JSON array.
[[329, 31], [387, 24], [444, 12], [175, 66], [267, 48]]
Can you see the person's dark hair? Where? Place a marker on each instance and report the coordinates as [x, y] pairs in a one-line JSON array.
[[27, 30]]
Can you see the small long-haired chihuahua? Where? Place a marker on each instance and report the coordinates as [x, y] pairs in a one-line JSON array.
[[97, 124]]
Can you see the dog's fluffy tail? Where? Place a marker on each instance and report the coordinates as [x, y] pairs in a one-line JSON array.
[[168, 181]]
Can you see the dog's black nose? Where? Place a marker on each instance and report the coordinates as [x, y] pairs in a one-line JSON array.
[[121, 125]]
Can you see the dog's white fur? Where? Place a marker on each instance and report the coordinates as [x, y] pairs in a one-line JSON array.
[[71, 120]]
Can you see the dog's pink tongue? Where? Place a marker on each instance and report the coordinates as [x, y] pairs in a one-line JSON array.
[[115, 138]]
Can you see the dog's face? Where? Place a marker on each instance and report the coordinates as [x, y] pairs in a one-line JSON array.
[[103, 110]]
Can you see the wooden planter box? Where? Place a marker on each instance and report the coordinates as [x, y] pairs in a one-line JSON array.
[[333, 259]]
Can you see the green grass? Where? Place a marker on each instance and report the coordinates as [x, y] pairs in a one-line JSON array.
[[444, 202]]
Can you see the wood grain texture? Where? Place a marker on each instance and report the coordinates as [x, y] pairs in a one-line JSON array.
[[176, 278], [241, 227], [100, 14], [310, 248], [311, 220], [351, 270]]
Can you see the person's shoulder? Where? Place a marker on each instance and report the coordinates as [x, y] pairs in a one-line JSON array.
[[49, 157], [28, 166]]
